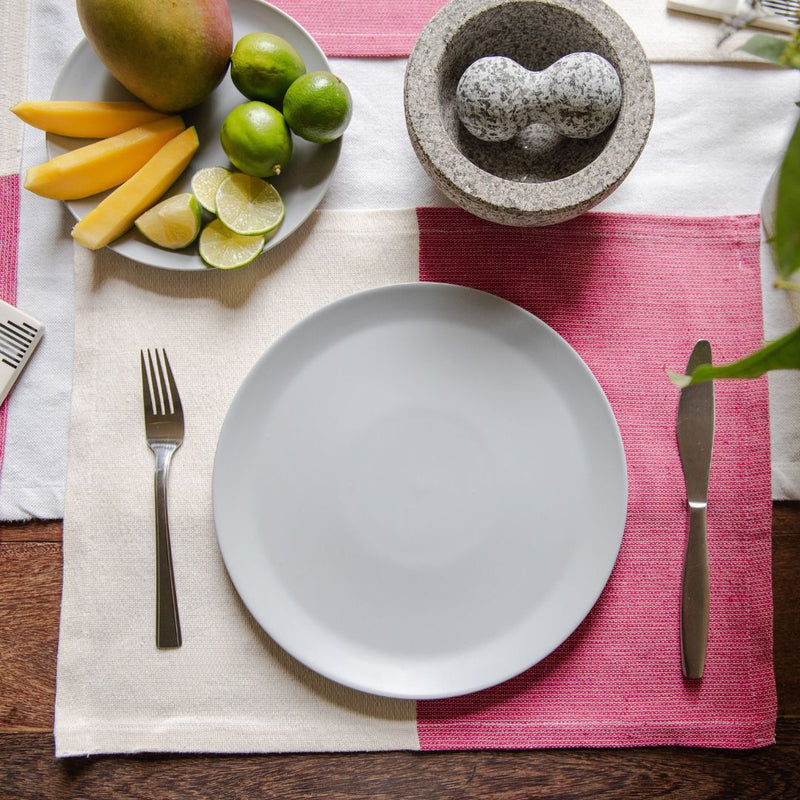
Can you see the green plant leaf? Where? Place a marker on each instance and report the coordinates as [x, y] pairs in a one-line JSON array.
[[786, 241], [783, 353], [791, 53], [770, 48]]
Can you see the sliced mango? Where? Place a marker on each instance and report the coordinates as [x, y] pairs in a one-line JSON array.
[[85, 119], [101, 165], [115, 214]]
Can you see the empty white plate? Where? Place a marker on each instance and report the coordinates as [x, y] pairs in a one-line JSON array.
[[420, 490]]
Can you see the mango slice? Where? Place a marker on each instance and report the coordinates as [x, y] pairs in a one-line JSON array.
[[101, 165], [85, 119], [115, 214]]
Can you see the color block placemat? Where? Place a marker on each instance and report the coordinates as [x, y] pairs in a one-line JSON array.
[[630, 293]]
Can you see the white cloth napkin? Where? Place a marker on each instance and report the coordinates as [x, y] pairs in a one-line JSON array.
[[222, 690], [13, 83], [35, 458], [717, 137], [668, 35]]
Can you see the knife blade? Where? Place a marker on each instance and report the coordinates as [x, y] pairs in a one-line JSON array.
[[695, 428]]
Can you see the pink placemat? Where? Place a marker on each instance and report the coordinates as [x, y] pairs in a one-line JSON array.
[[361, 28], [9, 238], [632, 294]]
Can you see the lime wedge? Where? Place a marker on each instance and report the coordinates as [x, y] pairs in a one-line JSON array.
[[173, 223], [220, 247], [249, 205], [205, 183]]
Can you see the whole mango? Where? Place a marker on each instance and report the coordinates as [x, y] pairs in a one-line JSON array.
[[171, 55]]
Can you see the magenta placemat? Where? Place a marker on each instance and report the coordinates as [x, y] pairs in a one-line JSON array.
[[9, 237], [361, 28], [632, 294]]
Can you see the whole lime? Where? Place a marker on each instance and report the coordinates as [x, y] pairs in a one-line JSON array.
[[264, 66], [318, 107], [256, 139]]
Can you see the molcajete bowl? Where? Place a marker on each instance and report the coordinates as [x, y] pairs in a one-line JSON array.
[[539, 177]]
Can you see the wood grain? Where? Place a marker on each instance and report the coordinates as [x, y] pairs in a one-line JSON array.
[[30, 771], [30, 593], [40, 531], [30, 597], [786, 604]]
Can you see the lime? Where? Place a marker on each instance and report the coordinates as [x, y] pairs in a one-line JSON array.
[[249, 205], [173, 223], [205, 183], [318, 107], [220, 247], [263, 67], [256, 139]]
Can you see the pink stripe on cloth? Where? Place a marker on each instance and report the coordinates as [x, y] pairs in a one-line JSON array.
[[9, 236], [348, 28], [632, 294]]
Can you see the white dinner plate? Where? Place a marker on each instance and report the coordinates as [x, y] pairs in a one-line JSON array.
[[302, 184], [420, 490]]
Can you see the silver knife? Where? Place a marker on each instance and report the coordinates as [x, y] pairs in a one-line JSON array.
[[695, 440]]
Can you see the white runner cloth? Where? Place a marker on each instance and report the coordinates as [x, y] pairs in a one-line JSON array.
[[718, 135]]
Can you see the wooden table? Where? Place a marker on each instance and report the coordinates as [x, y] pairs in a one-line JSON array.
[[30, 594]]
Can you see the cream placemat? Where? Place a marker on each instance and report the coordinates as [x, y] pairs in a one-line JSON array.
[[228, 688]]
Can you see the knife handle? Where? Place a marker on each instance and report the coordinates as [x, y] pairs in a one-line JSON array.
[[694, 598]]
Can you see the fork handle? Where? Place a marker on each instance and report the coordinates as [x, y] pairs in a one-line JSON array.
[[168, 627]]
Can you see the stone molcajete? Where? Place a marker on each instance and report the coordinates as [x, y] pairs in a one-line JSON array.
[[169, 55], [501, 150]]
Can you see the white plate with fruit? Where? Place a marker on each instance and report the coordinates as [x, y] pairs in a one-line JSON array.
[[303, 179]]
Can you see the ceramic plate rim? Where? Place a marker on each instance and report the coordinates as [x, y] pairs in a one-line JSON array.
[[226, 526], [132, 245]]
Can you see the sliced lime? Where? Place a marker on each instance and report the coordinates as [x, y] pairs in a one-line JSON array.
[[220, 247], [173, 223], [249, 205], [205, 183]]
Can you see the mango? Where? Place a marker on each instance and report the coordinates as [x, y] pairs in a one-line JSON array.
[[98, 166], [115, 214], [84, 119], [171, 55]]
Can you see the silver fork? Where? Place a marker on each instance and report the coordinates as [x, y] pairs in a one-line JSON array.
[[775, 15], [163, 423]]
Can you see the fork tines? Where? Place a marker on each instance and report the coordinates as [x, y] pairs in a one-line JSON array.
[[158, 385], [786, 8]]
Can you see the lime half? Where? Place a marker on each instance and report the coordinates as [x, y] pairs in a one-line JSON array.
[[220, 247], [173, 223], [205, 183], [249, 205]]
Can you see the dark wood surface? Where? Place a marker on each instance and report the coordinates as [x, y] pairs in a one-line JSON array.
[[30, 591]]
